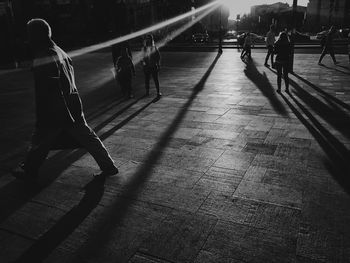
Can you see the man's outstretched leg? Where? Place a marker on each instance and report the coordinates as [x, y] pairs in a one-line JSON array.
[[90, 141]]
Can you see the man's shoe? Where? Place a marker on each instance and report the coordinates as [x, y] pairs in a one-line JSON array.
[[159, 95], [266, 65], [22, 175]]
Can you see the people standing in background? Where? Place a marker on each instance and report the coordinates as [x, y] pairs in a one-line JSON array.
[[282, 49], [270, 41], [125, 70], [151, 63]]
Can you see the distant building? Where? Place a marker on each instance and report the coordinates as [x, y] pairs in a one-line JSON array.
[[217, 18], [259, 10], [327, 12]]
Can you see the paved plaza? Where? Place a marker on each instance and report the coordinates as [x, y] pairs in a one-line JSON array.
[[220, 169]]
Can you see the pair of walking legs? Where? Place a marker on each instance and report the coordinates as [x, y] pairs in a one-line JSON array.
[[327, 49], [269, 53], [282, 68], [247, 51], [44, 139], [153, 71], [126, 85]]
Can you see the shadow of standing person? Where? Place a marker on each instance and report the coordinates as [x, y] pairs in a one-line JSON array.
[[263, 84]]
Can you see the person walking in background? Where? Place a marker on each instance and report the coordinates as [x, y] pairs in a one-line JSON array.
[[247, 46], [58, 106], [328, 46], [270, 41], [125, 70], [151, 63], [282, 49]]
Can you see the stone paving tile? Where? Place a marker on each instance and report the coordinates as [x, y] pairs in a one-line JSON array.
[[140, 258], [240, 242], [180, 237], [207, 257], [201, 152], [235, 160], [219, 179], [121, 230], [274, 218], [59, 195], [12, 245], [269, 193], [267, 149], [226, 135], [217, 143], [32, 220], [77, 176], [278, 163]]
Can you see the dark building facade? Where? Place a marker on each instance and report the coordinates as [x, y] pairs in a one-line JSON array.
[[327, 12], [77, 23]]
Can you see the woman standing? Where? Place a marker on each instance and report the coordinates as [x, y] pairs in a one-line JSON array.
[[151, 63], [125, 71], [282, 49]]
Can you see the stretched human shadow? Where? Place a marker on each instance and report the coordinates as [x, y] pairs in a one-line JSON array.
[[20, 193], [338, 155], [40, 250], [335, 116], [114, 213], [326, 95], [263, 84]]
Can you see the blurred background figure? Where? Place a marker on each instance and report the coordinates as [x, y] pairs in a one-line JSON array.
[[270, 41], [125, 70], [282, 49], [151, 63]]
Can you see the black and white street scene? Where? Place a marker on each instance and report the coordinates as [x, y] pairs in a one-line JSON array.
[[175, 131]]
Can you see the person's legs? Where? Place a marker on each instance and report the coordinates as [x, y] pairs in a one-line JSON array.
[[271, 52], [90, 141], [324, 52], [42, 141], [156, 81], [249, 52], [285, 76], [267, 56], [147, 79], [243, 52], [331, 52], [279, 76], [128, 87]]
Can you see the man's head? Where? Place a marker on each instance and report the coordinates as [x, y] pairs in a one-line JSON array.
[[39, 32]]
